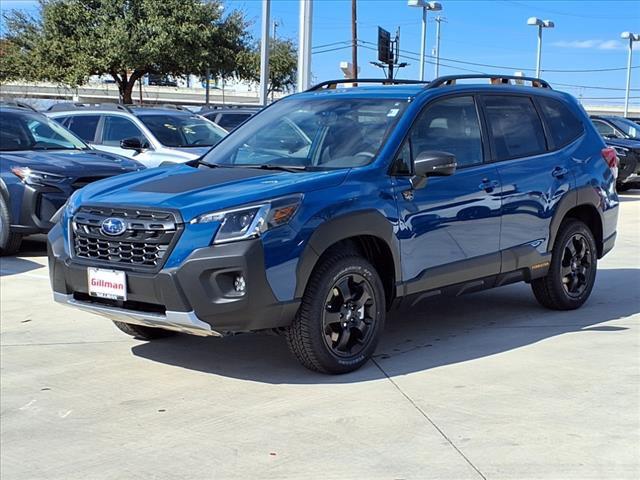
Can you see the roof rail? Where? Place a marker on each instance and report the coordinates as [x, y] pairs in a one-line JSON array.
[[16, 104], [67, 106], [220, 106], [162, 105], [332, 84], [495, 80]]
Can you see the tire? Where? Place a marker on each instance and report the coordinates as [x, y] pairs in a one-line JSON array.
[[572, 272], [341, 317], [142, 332], [623, 187], [9, 241]]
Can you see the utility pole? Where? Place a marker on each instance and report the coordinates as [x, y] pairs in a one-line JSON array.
[[354, 38], [264, 53], [275, 28], [304, 45], [439, 20]]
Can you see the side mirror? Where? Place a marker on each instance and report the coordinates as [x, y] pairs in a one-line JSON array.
[[133, 143], [432, 164]]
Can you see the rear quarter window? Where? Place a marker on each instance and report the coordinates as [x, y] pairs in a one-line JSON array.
[[514, 126], [563, 125]]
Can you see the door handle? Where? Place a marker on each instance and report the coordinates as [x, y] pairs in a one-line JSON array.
[[488, 185], [559, 172]]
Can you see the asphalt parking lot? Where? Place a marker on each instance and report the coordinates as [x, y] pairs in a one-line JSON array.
[[486, 386]]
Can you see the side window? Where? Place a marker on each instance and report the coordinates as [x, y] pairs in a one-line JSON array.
[[84, 126], [229, 121], [605, 129], [514, 126], [118, 128], [564, 126], [449, 125]]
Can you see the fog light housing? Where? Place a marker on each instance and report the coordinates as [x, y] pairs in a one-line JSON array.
[[240, 284]]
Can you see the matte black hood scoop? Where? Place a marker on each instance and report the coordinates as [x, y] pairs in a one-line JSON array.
[[185, 182]]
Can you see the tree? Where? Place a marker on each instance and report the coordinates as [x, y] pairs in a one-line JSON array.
[[282, 65], [74, 39]]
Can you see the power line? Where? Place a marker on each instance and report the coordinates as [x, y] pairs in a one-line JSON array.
[[331, 49], [516, 68], [557, 12]]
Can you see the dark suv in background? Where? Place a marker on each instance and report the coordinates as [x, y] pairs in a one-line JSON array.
[[41, 165], [623, 135], [332, 206]]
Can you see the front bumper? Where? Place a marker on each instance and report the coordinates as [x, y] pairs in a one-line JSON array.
[[198, 297]]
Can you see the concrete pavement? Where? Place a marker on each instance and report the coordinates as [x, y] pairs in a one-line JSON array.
[[489, 385]]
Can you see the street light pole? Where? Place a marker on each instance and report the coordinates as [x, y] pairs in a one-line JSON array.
[[435, 6], [540, 24], [304, 45], [264, 52], [632, 37]]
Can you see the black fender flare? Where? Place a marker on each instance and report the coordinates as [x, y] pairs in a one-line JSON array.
[[363, 223], [586, 195]]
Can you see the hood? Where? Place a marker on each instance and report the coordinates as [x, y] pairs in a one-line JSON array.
[[72, 162], [194, 191]]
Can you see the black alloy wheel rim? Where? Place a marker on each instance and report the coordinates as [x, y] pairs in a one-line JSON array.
[[576, 266], [349, 315]]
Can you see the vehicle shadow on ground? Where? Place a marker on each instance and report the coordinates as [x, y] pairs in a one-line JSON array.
[[435, 333], [31, 247]]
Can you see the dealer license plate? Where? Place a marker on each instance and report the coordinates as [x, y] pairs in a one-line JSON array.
[[110, 284]]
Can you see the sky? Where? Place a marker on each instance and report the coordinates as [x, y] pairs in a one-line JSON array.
[[493, 34]]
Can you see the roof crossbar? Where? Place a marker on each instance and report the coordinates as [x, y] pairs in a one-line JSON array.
[[495, 80], [332, 84]]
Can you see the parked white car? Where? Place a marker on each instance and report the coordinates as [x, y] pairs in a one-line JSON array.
[[150, 135]]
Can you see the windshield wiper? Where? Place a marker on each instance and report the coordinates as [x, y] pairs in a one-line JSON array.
[[271, 166]]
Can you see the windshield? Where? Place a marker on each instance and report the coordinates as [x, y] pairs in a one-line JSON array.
[[183, 130], [629, 128], [318, 133], [32, 131]]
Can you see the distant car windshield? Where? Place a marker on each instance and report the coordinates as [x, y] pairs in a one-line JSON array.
[[182, 130], [32, 131], [319, 133], [629, 128]]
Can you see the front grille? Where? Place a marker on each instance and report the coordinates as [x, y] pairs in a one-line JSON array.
[[146, 241]]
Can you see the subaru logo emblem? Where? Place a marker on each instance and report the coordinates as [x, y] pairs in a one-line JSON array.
[[113, 226]]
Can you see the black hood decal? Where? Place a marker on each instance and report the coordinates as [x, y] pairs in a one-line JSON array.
[[200, 178]]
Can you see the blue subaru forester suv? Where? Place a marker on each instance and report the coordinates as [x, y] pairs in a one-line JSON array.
[[331, 207]]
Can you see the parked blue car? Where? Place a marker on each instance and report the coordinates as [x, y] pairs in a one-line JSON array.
[[41, 165], [331, 207]]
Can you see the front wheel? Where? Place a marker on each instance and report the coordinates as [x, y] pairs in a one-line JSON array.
[[341, 317], [572, 272], [142, 332], [9, 241]]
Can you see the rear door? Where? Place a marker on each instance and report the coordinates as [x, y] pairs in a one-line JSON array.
[[535, 170], [450, 229]]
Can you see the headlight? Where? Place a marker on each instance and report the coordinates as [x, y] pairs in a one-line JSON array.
[[252, 220], [35, 177]]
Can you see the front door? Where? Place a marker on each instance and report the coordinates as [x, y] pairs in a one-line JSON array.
[[450, 229]]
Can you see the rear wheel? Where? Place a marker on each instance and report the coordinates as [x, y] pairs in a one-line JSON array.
[[572, 272], [341, 317], [142, 332], [9, 241]]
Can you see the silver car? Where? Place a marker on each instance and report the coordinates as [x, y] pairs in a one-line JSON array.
[[150, 135]]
